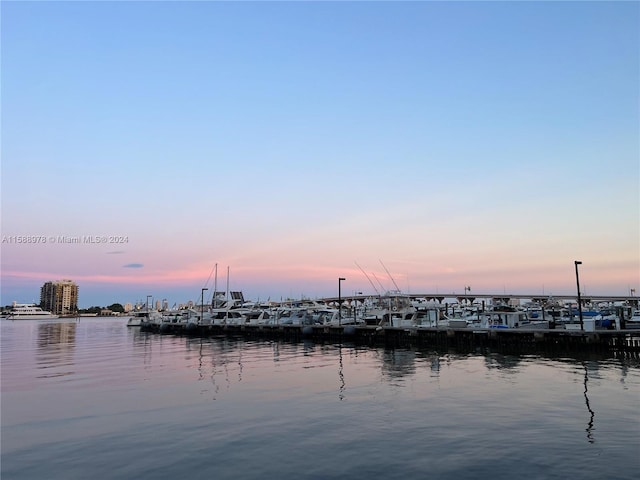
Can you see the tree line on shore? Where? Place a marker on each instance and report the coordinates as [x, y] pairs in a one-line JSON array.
[[115, 307]]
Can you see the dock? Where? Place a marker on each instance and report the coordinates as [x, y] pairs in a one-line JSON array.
[[615, 343]]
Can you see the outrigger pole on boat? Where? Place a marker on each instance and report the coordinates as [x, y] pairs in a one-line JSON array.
[[394, 282], [379, 282], [365, 274]]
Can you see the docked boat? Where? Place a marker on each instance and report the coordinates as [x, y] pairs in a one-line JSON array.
[[144, 316], [392, 309], [29, 311], [508, 318]]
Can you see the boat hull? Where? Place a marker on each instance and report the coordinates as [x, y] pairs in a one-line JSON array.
[[32, 317]]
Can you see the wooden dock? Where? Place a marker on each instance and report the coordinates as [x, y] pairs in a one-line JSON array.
[[617, 343]]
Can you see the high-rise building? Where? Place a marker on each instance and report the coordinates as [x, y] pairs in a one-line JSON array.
[[59, 297]]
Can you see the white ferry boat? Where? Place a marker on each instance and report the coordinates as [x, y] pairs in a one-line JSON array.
[[28, 311]]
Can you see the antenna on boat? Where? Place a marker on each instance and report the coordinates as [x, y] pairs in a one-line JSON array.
[[394, 282], [365, 274]]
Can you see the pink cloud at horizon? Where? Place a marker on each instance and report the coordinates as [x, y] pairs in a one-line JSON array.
[[321, 280]]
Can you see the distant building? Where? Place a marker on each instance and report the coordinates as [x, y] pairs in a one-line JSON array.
[[128, 307], [59, 297]]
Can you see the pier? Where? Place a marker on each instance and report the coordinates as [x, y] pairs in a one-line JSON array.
[[616, 343]]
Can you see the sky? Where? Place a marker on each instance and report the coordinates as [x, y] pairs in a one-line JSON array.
[[158, 148]]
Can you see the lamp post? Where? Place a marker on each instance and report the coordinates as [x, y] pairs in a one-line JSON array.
[[202, 305], [577, 262], [340, 301]]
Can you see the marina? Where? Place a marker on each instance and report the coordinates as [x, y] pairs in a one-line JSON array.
[[396, 308], [394, 319]]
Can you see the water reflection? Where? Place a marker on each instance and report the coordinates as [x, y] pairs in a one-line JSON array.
[[340, 375], [55, 333], [435, 366], [143, 345], [221, 362], [586, 400], [56, 343], [508, 363], [398, 363]]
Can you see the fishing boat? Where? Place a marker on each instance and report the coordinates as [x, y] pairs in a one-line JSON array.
[[140, 317], [29, 311], [509, 318]]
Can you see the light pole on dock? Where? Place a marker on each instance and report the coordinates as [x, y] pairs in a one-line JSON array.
[[202, 305], [577, 262], [340, 301]]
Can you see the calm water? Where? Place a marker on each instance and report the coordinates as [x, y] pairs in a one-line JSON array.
[[95, 399]]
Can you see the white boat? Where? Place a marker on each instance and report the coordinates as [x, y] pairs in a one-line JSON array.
[[134, 321], [635, 316], [392, 309], [144, 316], [29, 311], [504, 318]]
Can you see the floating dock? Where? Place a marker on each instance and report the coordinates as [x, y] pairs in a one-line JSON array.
[[518, 341]]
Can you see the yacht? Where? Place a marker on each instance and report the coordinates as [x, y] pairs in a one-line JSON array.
[[28, 311]]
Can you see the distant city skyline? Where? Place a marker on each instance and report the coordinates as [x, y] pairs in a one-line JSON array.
[[482, 144]]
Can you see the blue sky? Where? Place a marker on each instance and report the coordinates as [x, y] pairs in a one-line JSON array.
[[486, 143]]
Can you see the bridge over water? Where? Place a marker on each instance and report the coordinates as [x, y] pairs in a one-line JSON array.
[[494, 297]]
